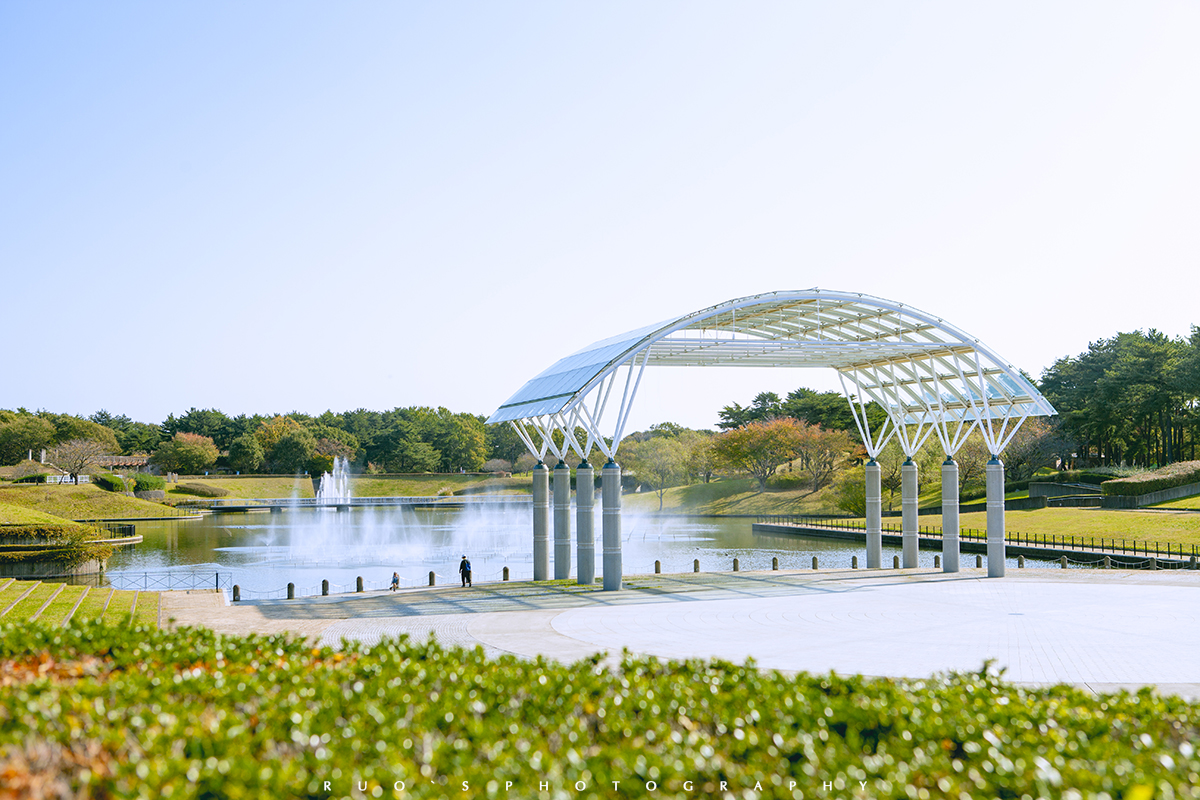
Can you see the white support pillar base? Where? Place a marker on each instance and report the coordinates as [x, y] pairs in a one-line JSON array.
[[874, 516], [995, 517], [585, 522], [541, 523], [610, 500], [562, 521], [949, 515], [909, 521]]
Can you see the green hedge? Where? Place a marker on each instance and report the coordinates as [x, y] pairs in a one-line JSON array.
[[39, 477], [68, 544], [109, 482], [111, 711], [1170, 476], [144, 482], [201, 490]]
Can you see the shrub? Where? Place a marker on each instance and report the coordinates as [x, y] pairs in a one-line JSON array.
[[144, 482], [109, 482], [201, 490], [258, 716], [497, 465], [788, 481], [1170, 476], [38, 478]]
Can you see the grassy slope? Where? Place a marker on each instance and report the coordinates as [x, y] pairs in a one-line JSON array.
[[732, 496], [19, 515], [82, 502], [429, 485], [248, 487]]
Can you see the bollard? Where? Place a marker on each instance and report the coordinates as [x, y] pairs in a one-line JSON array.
[[1107, 562], [1063, 561], [735, 565], [774, 563], [895, 562], [291, 591], [359, 584], [937, 561], [1021, 562], [978, 561], [324, 588], [853, 562], [696, 565], [431, 577], [814, 562], [1153, 562], [657, 567], [506, 573], [237, 593], [1193, 562]]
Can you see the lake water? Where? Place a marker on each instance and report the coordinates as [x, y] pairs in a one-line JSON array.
[[263, 552]]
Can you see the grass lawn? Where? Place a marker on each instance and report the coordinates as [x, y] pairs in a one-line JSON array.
[[120, 605], [732, 496], [93, 604], [10, 591], [83, 502], [248, 487], [1186, 504], [434, 484], [1149, 526], [19, 515], [29, 605], [61, 605], [146, 612]]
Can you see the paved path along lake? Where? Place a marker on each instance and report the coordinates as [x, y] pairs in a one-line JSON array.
[[1103, 630]]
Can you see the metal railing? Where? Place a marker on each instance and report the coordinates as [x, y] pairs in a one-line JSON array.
[[316, 502], [171, 581], [1102, 544]]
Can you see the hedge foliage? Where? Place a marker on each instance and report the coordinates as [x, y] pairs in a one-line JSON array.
[[107, 711], [39, 477], [201, 490], [1178, 474], [109, 482], [70, 544], [145, 482]]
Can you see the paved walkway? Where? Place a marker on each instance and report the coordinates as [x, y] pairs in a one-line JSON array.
[[1100, 629]]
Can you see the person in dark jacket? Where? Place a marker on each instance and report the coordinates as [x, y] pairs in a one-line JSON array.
[[464, 569]]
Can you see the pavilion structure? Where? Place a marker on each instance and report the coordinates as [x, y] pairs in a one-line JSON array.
[[931, 379]]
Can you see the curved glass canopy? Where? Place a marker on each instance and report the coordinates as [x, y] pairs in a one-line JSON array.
[[928, 375]]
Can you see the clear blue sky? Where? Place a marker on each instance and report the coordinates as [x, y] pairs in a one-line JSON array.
[[263, 207]]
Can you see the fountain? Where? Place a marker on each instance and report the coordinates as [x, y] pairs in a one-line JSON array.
[[336, 487]]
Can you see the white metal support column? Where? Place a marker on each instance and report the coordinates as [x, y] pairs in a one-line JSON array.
[[610, 499], [541, 522], [585, 522], [562, 521], [995, 517], [874, 516], [949, 515], [909, 521]]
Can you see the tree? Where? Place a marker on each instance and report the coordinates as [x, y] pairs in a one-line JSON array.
[[292, 452], [658, 462], [414, 456], [765, 407], [758, 448], [245, 453], [497, 465], [526, 461], [77, 456], [68, 427], [23, 434], [1034, 446], [701, 457], [186, 453], [821, 453]]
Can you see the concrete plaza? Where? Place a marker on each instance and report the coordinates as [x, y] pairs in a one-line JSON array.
[[1103, 630]]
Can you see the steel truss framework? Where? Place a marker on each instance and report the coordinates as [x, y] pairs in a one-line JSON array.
[[929, 376]]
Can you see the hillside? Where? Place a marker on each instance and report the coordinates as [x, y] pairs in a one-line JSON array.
[[83, 502]]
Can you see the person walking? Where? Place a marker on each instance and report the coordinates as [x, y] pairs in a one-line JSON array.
[[464, 569]]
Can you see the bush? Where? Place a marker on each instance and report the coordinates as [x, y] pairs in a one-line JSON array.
[[1170, 476], [787, 481], [109, 482], [38, 478], [262, 716], [201, 490], [144, 482], [497, 465]]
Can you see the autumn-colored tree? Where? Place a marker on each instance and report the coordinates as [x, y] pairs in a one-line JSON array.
[[758, 448], [186, 453], [659, 462], [821, 453]]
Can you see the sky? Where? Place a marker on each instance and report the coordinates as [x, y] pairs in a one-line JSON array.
[[265, 207]]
